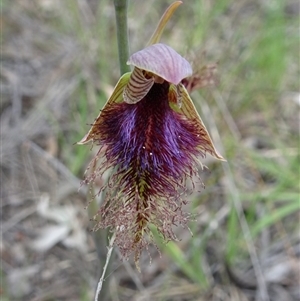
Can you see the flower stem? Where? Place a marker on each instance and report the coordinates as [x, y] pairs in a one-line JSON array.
[[122, 34]]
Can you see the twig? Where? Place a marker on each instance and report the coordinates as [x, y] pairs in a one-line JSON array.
[[109, 252]]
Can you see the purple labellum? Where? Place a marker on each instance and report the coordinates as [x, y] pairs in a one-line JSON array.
[[150, 137]]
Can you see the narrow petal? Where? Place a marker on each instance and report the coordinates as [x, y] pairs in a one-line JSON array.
[[163, 21], [163, 61], [188, 109], [116, 97], [137, 87], [179, 95]]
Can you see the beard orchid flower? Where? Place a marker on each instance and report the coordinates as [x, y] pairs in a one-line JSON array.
[[151, 138]]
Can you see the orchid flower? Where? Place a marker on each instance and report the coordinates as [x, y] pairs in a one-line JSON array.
[[151, 138]]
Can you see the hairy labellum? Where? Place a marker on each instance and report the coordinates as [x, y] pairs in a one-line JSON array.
[[150, 137]]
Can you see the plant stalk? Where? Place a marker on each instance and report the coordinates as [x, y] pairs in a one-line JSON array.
[[100, 237], [122, 34]]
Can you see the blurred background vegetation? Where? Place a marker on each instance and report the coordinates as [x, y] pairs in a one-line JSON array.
[[59, 64]]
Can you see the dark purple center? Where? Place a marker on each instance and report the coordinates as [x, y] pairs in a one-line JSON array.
[[149, 136]]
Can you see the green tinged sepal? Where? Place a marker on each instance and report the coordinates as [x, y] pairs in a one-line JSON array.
[[188, 109], [116, 97]]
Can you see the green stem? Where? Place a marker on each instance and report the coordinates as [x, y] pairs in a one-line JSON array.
[[100, 237], [122, 34]]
